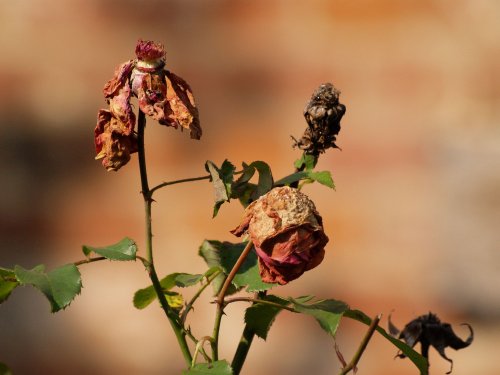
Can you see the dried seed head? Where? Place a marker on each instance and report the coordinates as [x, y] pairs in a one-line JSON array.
[[287, 234], [323, 114]]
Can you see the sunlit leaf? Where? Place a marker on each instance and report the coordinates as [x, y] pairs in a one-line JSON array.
[[60, 286], [259, 317], [306, 162], [144, 297], [124, 250], [8, 283], [213, 368], [225, 254], [415, 357], [327, 312], [324, 178], [4, 370], [222, 180]]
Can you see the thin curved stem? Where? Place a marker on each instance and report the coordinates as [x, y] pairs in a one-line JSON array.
[[178, 182], [190, 304], [362, 346], [146, 193]]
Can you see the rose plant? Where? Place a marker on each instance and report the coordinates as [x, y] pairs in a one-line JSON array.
[[282, 230]]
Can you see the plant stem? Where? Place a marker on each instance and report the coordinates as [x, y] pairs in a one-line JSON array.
[[146, 193], [220, 299], [190, 304], [178, 182], [362, 346], [245, 341]]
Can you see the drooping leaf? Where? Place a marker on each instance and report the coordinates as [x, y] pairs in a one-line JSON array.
[[4, 370], [327, 312], [246, 191], [222, 180], [213, 368], [324, 178], [60, 286], [259, 317], [124, 250], [266, 181], [415, 357], [8, 283], [225, 255], [144, 297]]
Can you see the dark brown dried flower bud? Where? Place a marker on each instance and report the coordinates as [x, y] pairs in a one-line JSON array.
[[287, 233], [429, 331], [161, 94], [323, 114]]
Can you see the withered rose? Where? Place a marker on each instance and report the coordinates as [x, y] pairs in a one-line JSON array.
[[161, 95], [287, 233]]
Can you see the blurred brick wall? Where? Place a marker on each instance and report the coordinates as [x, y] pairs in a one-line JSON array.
[[413, 222]]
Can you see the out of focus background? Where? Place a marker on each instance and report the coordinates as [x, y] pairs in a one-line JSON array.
[[414, 221]]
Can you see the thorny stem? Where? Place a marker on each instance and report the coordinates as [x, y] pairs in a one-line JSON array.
[[146, 193], [257, 300], [190, 304], [362, 346], [244, 344], [220, 299]]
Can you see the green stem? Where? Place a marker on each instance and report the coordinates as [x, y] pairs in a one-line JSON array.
[[245, 342], [190, 304], [146, 193], [257, 300], [362, 346], [178, 182], [220, 299]]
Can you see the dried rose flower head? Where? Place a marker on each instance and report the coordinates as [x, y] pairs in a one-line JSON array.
[[287, 233], [323, 114], [161, 95], [429, 331]]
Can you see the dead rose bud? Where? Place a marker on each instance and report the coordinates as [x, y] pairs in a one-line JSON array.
[[287, 233], [323, 114], [161, 95], [429, 331]]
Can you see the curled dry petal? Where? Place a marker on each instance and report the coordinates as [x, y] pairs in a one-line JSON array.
[[287, 234], [120, 79], [181, 109], [111, 144]]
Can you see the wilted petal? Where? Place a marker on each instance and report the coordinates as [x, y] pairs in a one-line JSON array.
[[121, 108], [181, 108], [151, 92], [121, 77], [112, 146]]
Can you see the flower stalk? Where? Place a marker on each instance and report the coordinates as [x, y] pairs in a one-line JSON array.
[[146, 193]]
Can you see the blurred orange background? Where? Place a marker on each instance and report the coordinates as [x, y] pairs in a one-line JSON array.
[[414, 221]]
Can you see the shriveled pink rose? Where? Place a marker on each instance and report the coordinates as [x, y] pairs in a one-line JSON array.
[[161, 95], [287, 233]]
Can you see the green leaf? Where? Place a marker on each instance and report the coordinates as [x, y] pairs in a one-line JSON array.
[[265, 178], [306, 161], [123, 250], [214, 368], [222, 180], [415, 357], [327, 312], [144, 297], [60, 286], [290, 179], [4, 370], [259, 317], [8, 283], [225, 255], [324, 178]]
